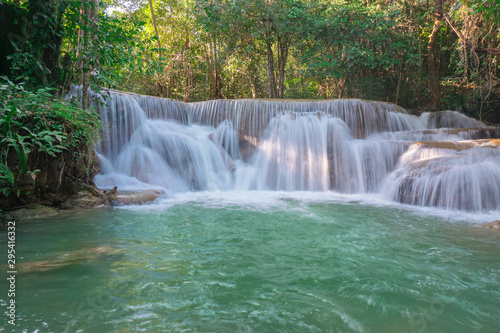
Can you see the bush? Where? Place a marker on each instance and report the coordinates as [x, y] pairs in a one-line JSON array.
[[35, 127]]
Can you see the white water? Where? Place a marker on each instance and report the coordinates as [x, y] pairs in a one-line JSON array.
[[465, 180], [345, 146]]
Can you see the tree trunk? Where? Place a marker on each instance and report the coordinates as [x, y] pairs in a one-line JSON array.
[[209, 80], [82, 51], [283, 45], [270, 66], [253, 77], [95, 12], [217, 94], [187, 70], [46, 36], [154, 25], [89, 17], [79, 48], [431, 56]]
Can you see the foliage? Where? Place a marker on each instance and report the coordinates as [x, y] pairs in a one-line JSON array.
[[260, 48], [355, 43], [33, 125], [490, 9], [477, 55], [114, 46], [61, 41], [359, 49]]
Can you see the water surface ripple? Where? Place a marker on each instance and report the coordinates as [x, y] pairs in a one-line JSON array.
[[295, 266]]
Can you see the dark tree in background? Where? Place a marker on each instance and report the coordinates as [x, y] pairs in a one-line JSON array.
[[431, 57]]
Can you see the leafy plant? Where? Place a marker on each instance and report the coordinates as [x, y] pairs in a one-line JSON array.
[[34, 124]]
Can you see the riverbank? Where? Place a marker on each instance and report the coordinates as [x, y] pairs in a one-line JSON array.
[[47, 154]]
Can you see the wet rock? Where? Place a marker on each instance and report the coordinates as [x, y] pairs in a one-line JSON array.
[[37, 211], [86, 196], [67, 259], [492, 225], [459, 145], [82, 199], [474, 133], [118, 198], [451, 119], [247, 148]]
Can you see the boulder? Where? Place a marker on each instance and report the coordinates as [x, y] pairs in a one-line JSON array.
[[492, 225], [86, 196], [83, 199]]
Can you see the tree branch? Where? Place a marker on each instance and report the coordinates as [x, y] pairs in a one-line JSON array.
[[491, 51]]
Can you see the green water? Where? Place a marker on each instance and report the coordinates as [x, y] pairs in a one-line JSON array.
[[227, 267]]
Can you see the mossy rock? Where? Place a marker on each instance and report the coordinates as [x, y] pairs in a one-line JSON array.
[[37, 211], [83, 199]]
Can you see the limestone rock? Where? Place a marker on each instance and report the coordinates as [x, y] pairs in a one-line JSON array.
[[86, 196], [37, 211], [83, 199], [459, 145], [492, 225], [67, 259], [133, 198]]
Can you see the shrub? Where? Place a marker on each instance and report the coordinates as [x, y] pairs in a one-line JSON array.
[[34, 125]]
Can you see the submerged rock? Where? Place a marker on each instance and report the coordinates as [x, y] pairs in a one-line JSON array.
[[37, 211], [67, 259]]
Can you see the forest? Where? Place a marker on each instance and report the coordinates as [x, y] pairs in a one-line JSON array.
[[418, 54]]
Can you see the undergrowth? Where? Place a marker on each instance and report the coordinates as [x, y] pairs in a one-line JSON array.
[[34, 124]]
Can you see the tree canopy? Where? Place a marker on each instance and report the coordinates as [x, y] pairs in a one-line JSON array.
[[421, 55]]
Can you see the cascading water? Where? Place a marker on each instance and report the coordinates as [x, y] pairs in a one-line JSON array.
[[347, 146], [293, 154], [461, 175], [449, 119]]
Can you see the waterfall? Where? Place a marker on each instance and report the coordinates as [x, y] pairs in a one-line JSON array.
[[441, 159], [293, 153], [450, 119], [461, 175]]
